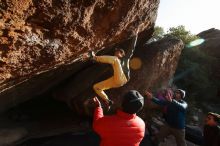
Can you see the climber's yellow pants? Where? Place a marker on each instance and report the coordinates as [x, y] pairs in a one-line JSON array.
[[118, 79]]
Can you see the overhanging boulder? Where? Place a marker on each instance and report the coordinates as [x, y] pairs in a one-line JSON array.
[[41, 41]]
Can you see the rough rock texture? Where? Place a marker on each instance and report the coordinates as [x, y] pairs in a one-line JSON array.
[[41, 40], [38, 35]]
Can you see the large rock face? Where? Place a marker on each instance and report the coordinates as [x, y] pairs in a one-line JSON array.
[[41, 40], [212, 43], [211, 48], [39, 35]]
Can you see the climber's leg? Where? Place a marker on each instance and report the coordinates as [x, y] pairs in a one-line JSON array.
[[104, 85]]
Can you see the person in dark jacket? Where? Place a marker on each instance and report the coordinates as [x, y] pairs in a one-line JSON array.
[[175, 116], [211, 132], [123, 129], [120, 64]]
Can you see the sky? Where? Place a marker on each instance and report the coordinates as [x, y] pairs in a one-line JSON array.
[[195, 15]]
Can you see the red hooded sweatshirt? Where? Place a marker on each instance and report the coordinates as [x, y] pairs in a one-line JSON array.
[[121, 129]]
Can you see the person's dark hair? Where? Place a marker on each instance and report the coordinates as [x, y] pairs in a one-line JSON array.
[[132, 102], [120, 50]]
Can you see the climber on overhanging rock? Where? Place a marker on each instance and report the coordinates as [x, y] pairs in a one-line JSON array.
[[120, 64]]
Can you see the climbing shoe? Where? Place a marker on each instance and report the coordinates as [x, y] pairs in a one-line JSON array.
[[108, 104]]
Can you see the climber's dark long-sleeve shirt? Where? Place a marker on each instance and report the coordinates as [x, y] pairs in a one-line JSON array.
[[125, 60]]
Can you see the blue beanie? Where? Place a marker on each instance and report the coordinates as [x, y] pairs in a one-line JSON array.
[[132, 102]]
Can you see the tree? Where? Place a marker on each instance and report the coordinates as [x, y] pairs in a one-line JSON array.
[[181, 33], [158, 33]]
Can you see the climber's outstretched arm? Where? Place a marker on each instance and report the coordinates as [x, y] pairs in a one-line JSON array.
[[132, 46]]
